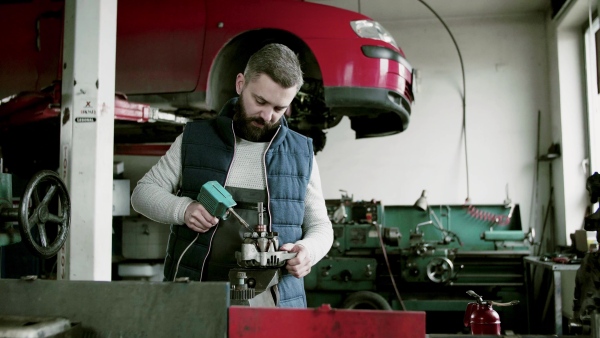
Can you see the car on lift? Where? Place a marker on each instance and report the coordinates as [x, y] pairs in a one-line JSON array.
[[182, 58]]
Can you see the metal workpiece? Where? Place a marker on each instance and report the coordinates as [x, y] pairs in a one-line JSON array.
[[263, 244], [239, 293], [252, 287], [261, 248], [240, 289], [259, 259], [252, 256], [261, 212]]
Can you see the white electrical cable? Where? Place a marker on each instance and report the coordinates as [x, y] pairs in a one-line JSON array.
[[181, 256]]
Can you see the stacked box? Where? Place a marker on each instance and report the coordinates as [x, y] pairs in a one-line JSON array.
[[144, 238]]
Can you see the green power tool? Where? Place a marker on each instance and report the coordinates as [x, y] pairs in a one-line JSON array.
[[219, 202]]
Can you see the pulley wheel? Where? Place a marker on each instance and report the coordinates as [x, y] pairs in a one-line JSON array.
[[366, 300], [440, 270], [45, 214]]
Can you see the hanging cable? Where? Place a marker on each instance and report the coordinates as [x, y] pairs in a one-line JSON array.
[[464, 95], [181, 256], [387, 263]]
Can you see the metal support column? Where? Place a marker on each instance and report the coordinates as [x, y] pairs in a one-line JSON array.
[[87, 136], [555, 294]]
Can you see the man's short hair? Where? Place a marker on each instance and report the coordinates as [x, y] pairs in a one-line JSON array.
[[278, 62]]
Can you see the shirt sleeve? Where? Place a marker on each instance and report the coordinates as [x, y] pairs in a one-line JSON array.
[[317, 228], [155, 197]]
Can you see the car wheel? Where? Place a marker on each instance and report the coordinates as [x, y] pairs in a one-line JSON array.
[[366, 300]]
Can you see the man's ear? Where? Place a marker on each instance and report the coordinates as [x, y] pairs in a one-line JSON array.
[[239, 83]]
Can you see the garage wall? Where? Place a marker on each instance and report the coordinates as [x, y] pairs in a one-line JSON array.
[[506, 65]]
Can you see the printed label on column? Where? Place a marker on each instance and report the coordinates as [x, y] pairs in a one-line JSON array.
[[87, 113]]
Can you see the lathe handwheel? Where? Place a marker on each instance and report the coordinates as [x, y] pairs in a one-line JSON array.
[[35, 213], [440, 270]]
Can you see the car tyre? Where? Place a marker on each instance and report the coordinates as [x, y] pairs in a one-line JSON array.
[[366, 300]]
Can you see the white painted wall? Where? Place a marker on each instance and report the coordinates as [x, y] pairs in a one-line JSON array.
[[506, 67]]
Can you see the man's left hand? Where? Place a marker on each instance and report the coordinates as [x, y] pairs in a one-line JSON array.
[[298, 266]]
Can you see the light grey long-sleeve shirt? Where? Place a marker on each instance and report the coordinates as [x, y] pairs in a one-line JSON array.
[[154, 195]]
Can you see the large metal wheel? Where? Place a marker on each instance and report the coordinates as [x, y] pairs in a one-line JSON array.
[[366, 300], [45, 205], [440, 270]]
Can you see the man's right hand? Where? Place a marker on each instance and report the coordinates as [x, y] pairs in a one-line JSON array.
[[198, 218]]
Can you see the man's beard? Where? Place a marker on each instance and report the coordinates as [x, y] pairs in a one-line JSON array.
[[244, 128]]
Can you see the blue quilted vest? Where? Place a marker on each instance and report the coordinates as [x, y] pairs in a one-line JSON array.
[[207, 152]]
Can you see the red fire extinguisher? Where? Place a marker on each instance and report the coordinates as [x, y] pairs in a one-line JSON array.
[[482, 318]]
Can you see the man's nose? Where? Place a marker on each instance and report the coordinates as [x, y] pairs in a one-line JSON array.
[[266, 114]]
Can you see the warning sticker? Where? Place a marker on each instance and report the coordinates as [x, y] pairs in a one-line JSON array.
[[85, 119], [88, 109]]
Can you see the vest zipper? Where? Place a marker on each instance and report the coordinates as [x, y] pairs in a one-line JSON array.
[[267, 181], [217, 226]]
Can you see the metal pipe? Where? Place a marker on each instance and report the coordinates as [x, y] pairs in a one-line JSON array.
[[449, 219], [487, 284], [260, 213], [487, 275], [9, 214]]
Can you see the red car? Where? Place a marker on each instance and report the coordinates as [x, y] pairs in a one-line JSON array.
[[182, 57]]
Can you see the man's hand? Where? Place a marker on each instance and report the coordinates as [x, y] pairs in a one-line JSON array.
[[298, 266], [198, 218]]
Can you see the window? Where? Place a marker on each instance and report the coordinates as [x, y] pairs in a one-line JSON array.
[[591, 43]]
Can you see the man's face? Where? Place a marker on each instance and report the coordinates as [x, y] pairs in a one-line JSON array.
[[261, 105]]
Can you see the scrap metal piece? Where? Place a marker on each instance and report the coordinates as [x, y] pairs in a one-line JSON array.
[[254, 288]]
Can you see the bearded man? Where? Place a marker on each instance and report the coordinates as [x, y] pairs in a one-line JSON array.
[[249, 150]]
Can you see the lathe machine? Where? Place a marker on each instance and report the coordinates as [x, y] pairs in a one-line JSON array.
[[403, 257]]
